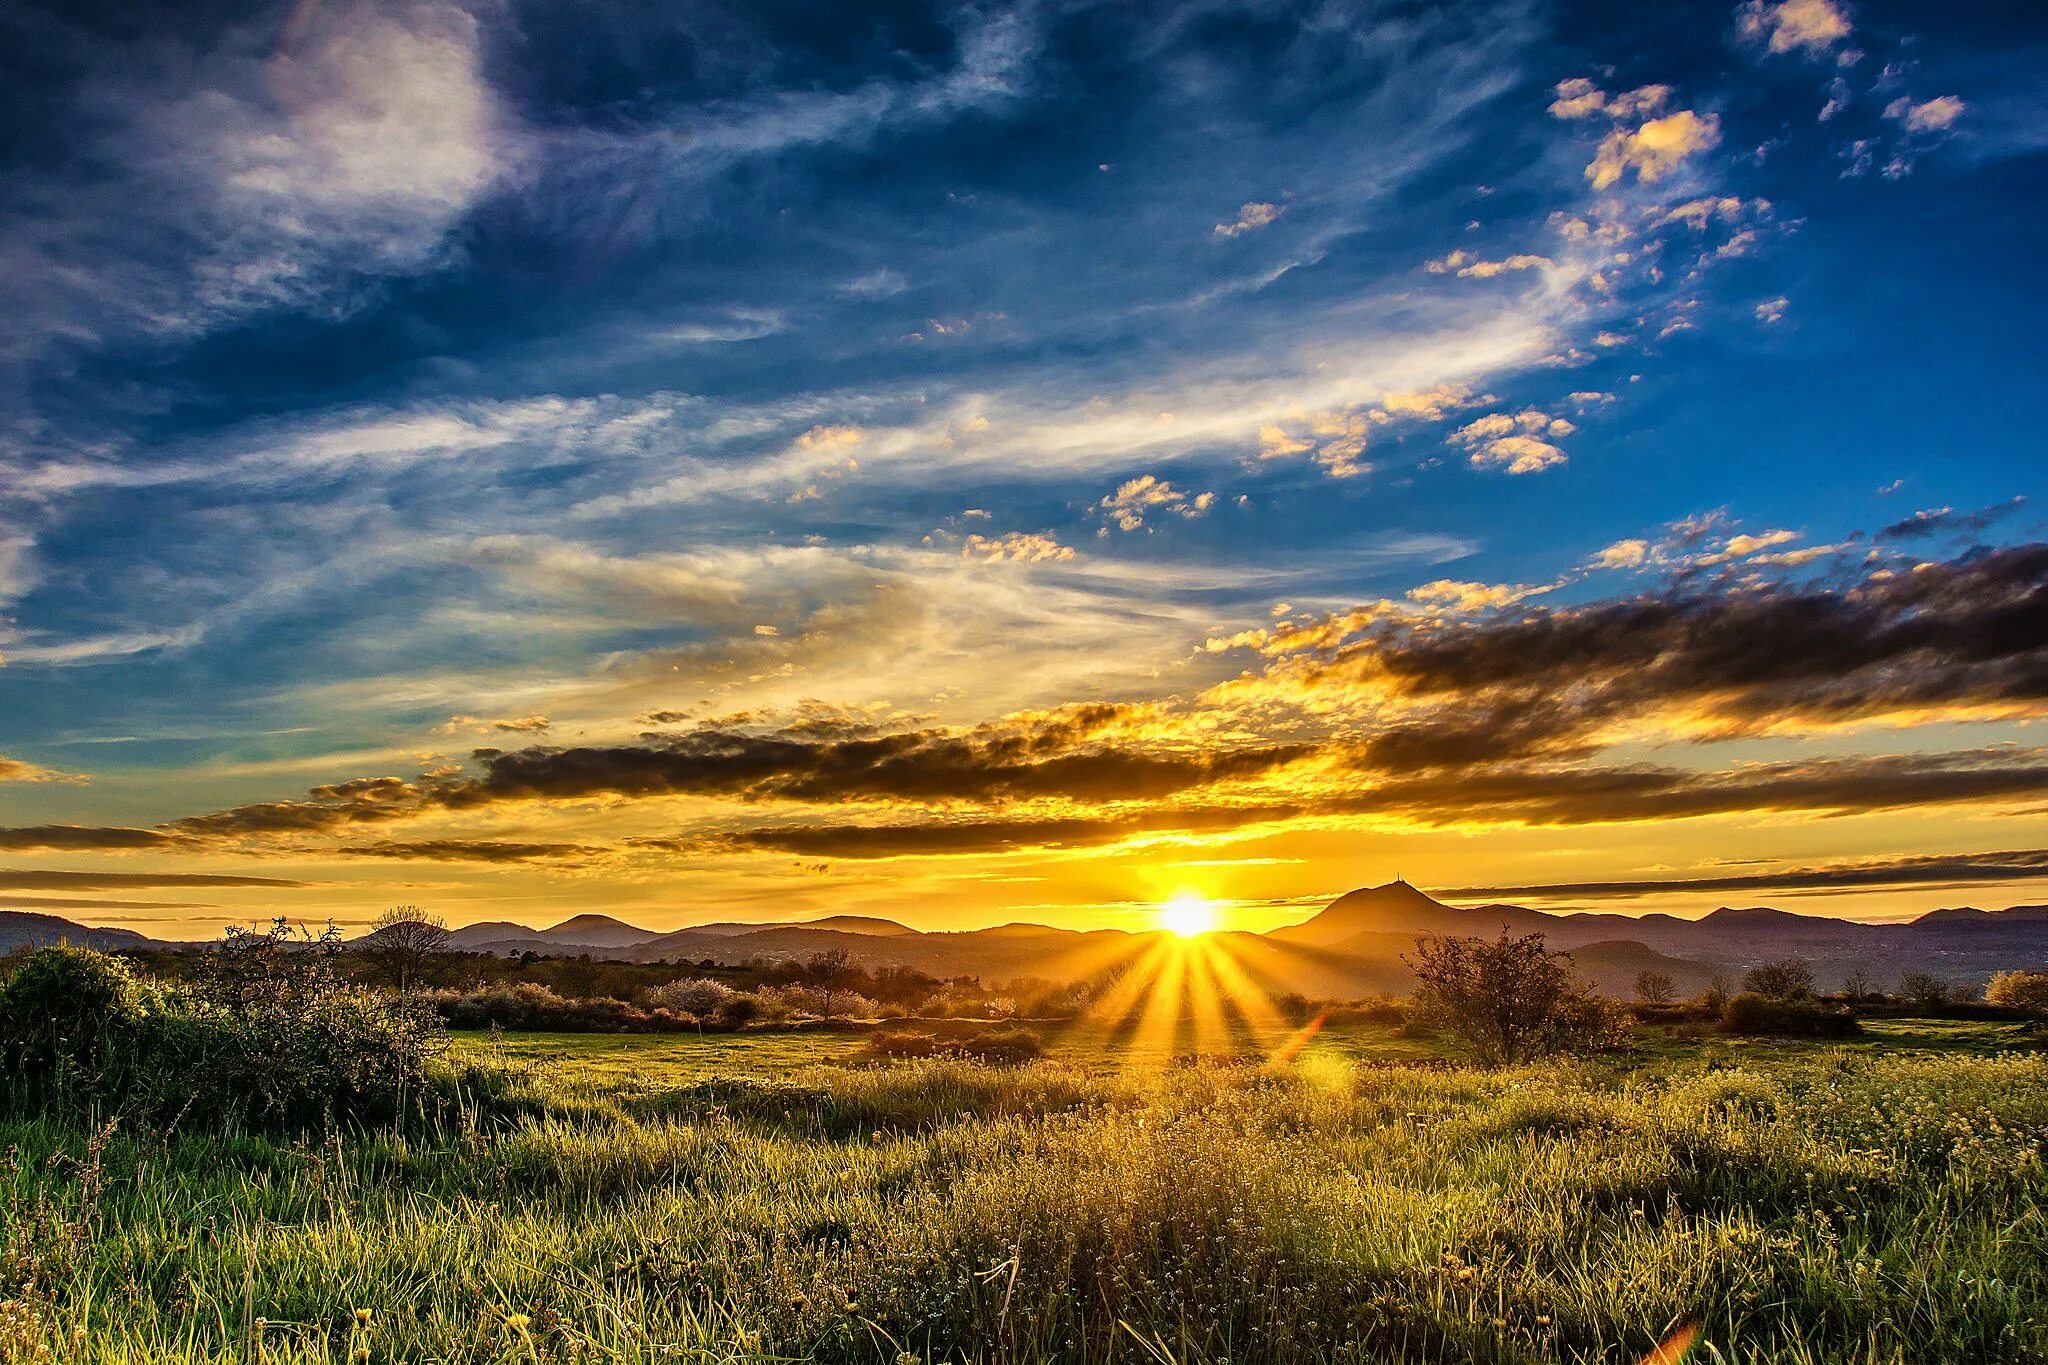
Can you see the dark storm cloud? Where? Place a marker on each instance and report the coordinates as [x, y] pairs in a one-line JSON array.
[[1969, 632], [2012, 865], [110, 881]]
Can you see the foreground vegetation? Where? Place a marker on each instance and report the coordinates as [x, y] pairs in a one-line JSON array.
[[1799, 1202]]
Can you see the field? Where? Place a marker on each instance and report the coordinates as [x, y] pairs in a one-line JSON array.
[[771, 1197]]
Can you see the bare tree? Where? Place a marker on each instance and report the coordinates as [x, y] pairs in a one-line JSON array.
[[1655, 988], [1925, 990], [1788, 978], [405, 942], [1509, 1000], [832, 972]]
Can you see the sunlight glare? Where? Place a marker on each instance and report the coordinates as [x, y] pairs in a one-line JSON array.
[[1188, 915]]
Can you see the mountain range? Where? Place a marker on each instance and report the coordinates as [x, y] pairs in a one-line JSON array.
[[1353, 946]]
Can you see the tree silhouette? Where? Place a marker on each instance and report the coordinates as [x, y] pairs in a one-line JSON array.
[[406, 942], [1509, 1000]]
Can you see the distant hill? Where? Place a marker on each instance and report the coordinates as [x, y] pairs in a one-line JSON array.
[[845, 924], [1962, 943], [1401, 908], [26, 929], [1354, 946], [599, 931], [603, 936]]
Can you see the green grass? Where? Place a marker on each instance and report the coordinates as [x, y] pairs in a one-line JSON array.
[[662, 1199]]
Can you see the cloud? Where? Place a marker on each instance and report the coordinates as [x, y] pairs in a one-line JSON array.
[[1811, 27], [522, 724], [955, 837], [1623, 554], [1654, 150], [1452, 595], [21, 770], [986, 766], [1932, 116], [85, 837], [471, 851], [1468, 267], [740, 324], [1946, 520], [1510, 794], [875, 284], [1016, 547], [230, 182], [14, 879], [1947, 869], [1058, 754], [1515, 442], [1578, 98], [72, 906], [1250, 218], [1959, 638], [1133, 499], [1772, 310]]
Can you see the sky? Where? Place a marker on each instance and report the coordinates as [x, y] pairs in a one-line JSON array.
[[980, 463]]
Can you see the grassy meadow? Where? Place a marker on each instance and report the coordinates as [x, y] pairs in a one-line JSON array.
[[775, 1197]]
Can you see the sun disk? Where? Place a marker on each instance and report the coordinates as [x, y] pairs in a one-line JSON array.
[[1187, 916]]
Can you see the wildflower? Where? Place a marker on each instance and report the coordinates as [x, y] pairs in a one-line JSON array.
[[518, 1321], [362, 1317], [1466, 1272]]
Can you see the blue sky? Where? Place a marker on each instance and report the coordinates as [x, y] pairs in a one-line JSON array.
[[385, 382]]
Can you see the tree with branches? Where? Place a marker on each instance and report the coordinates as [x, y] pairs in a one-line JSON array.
[[406, 943], [1510, 1000]]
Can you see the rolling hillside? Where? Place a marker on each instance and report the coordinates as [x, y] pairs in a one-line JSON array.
[[1353, 946]]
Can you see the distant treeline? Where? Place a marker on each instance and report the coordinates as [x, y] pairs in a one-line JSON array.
[[532, 992]]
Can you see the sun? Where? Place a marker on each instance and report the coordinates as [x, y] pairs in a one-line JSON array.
[[1188, 915]]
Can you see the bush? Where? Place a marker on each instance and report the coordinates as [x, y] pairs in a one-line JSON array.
[[72, 1021], [999, 1047], [690, 995], [2026, 992], [1761, 1015], [531, 1007], [268, 1041], [795, 1001]]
